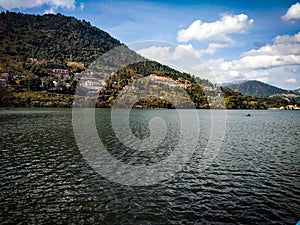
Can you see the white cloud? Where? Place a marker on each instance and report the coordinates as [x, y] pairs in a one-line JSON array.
[[224, 74], [274, 63], [50, 11], [261, 75], [284, 52], [213, 47], [262, 62], [234, 73], [287, 39], [201, 69], [279, 60], [291, 80], [218, 75], [216, 32], [167, 54], [156, 53], [54, 4], [185, 50], [255, 74], [283, 46], [272, 50], [181, 57], [293, 13], [81, 6]]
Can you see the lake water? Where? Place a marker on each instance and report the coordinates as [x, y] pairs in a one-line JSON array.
[[254, 178]]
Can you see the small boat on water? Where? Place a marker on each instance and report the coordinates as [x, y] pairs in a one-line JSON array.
[[248, 114]]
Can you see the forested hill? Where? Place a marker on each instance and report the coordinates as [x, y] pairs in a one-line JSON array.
[[47, 54], [51, 37], [257, 88], [29, 42]]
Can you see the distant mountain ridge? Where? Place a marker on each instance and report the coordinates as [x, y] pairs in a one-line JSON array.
[[257, 88]]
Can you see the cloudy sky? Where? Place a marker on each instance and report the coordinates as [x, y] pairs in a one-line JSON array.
[[236, 39]]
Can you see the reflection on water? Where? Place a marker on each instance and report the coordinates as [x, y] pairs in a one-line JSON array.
[[253, 180]]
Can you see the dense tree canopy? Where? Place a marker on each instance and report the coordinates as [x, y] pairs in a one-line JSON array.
[[51, 37]]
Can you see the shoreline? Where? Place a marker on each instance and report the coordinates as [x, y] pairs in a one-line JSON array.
[[140, 108]]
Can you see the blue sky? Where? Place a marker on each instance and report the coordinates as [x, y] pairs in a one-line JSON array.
[[236, 39]]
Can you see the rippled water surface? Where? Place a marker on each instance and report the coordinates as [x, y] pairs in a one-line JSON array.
[[254, 179]]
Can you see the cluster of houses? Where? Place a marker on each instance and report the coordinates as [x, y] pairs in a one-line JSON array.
[[94, 85], [169, 81], [4, 78], [56, 73], [90, 83], [161, 80]]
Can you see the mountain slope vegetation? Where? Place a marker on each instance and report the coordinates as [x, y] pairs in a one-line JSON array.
[[257, 88], [29, 42], [51, 37]]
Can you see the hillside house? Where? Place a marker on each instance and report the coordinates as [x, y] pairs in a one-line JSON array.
[[60, 72], [92, 84]]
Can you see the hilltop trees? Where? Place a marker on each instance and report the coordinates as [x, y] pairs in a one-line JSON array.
[[49, 37]]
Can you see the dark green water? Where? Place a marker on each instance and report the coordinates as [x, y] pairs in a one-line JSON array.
[[254, 179]]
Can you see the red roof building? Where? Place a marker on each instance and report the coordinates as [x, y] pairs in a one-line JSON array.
[[60, 72]]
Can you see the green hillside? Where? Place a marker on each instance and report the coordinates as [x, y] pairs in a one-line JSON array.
[[33, 44], [257, 88], [56, 38]]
